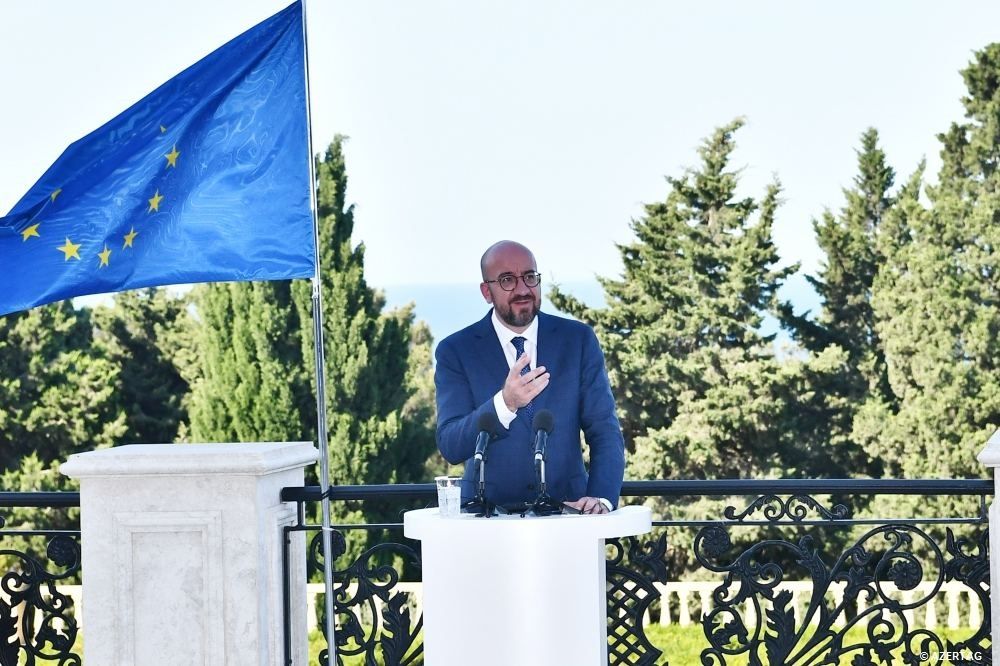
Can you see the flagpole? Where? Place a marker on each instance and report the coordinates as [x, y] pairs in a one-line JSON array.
[[321, 427]]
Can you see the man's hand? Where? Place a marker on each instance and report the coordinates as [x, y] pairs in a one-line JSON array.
[[588, 505], [518, 389]]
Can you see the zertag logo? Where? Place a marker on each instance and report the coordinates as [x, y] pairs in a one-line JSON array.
[[953, 656]]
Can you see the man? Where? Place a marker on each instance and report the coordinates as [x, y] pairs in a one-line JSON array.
[[479, 369]]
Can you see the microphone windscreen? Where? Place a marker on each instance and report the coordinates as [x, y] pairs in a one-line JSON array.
[[488, 422], [543, 421]]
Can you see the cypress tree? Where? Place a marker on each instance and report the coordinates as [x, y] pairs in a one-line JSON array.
[[251, 366], [138, 335], [698, 388], [58, 390], [936, 301], [851, 242], [378, 363], [255, 379]]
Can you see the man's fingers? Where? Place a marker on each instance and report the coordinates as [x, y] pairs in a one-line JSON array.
[[588, 505], [515, 370], [535, 386]]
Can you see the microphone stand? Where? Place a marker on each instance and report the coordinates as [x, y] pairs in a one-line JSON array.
[[482, 506], [543, 505]]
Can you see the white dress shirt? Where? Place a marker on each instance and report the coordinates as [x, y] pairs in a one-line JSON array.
[[505, 335]]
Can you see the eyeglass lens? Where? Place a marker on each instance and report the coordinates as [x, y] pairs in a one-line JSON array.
[[508, 282]]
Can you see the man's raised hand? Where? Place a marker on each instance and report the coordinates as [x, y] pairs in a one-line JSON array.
[[518, 389]]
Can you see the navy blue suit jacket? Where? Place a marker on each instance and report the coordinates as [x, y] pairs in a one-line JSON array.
[[471, 368]]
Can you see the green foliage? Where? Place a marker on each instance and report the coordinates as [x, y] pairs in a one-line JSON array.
[[255, 343], [936, 302], [58, 388], [853, 244], [140, 335], [698, 387], [251, 386], [378, 364]]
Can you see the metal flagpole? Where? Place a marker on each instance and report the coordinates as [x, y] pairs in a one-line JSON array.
[[321, 428]]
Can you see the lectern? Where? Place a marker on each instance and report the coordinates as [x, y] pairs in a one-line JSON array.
[[510, 590]]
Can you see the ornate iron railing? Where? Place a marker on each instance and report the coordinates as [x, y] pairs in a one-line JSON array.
[[867, 573], [37, 616]]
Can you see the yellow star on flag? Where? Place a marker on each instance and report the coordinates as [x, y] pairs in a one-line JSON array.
[[55, 194], [154, 203], [29, 232], [71, 250], [163, 130], [105, 256], [129, 237], [172, 157]]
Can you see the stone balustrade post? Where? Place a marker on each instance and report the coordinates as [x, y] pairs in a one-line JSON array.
[[990, 457], [182, 553]]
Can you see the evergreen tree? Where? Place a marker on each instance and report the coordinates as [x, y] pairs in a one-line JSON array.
[[936, 302], [58, 387], [137, 335], [851, 242], [698, 388], [378, 364], [844, 283], [255, 379], [250, 386]]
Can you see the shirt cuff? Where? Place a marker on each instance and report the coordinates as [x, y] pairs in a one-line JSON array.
[[505, 415], [606, 503]]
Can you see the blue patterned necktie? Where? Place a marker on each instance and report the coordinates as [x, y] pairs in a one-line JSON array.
[[518, 342]]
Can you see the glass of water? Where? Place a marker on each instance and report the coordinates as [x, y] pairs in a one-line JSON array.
[[449, 496]]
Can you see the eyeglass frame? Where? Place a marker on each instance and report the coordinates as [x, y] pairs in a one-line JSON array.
[[522, 277]]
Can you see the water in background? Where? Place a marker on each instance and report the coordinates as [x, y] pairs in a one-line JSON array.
[[449, 307]]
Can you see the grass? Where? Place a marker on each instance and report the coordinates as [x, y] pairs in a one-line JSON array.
[[682, 646]]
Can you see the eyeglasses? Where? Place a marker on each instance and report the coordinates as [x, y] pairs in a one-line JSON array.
[[509, 282]]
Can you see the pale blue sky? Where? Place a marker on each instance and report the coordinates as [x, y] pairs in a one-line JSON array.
[[549, 122]]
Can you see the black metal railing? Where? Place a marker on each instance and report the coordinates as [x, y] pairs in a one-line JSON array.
[[39, 556], [870, 566]]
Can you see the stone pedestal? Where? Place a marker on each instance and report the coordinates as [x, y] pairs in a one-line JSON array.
[[182, 552], [990, 456]]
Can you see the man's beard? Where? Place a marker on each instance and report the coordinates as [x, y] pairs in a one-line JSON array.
[[511, 318]]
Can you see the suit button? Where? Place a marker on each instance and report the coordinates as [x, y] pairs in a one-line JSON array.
[[531, 486]]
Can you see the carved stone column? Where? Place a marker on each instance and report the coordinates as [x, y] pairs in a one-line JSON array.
[[182, 553]]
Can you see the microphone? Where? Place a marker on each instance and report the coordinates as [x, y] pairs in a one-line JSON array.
[[542, 425], [487, 425]]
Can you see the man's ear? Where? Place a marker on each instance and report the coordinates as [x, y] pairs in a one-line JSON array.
[[485, 288]]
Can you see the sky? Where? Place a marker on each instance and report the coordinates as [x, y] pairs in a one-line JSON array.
[[549, 122]]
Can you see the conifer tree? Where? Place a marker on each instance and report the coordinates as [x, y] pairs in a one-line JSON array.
[[936, 301], [252, 374], [851, 242], [58, 388], [699, 391], [378, 363], [256, 381], [138, 335]]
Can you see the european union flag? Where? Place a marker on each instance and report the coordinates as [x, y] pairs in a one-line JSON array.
[[206, 179]]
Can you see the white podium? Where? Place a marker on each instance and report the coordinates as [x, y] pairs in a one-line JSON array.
[[509, 590]]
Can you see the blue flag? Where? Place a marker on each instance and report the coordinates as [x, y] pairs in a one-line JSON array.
[[206, 179]]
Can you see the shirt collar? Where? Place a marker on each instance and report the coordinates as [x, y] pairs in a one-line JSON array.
[[505, 335]]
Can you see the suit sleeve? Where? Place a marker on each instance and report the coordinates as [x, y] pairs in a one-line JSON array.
[[600, 424], [457, 411]]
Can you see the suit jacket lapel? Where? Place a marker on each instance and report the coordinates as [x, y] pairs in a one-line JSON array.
[[494, 363]]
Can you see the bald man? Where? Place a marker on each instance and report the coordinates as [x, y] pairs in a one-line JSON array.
[[480, 369]]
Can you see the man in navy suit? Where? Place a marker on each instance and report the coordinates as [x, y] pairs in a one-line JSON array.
[[479, 369]]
